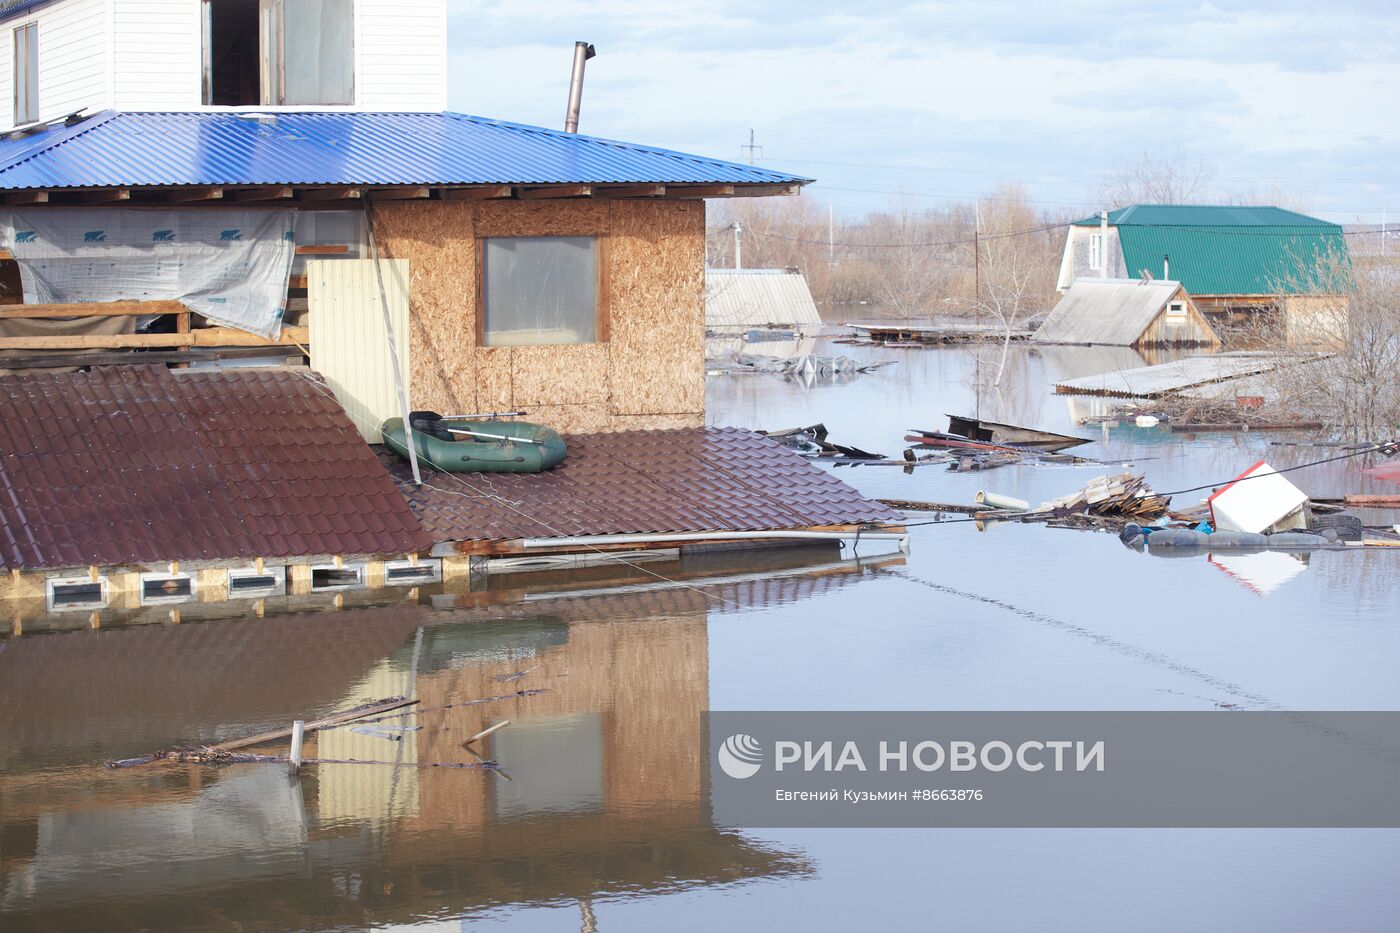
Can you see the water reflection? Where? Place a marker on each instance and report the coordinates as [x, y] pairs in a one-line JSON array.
[[603, 789]]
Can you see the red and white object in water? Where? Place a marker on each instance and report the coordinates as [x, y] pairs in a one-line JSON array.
[[1258, 500]]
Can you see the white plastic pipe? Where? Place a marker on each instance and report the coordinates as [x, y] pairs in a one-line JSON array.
[[588, 540], [998, 501]]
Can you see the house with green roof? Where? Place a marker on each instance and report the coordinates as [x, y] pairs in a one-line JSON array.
[[1232, 260]]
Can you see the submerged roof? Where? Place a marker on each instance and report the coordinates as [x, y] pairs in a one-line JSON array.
[[743, 298], [133, 464], [115, 149], [1108, 312], [633, 482], [1230, 250]]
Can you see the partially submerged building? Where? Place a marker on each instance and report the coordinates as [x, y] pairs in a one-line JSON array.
[[739, 300], [1235, 261], [1140, 313], [193, 185]]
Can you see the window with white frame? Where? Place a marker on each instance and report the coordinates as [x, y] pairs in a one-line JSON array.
[[26, 74], [279, 52], [540, 290], [1176, 311], [1096, 256]]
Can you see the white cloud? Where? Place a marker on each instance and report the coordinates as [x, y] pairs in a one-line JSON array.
[[951, 98]]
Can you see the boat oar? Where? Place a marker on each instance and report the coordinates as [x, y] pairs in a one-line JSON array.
[[482, 414], [494, 437]]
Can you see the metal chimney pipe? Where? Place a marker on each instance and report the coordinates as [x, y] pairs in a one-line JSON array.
[[583, 51], [1166, 268]]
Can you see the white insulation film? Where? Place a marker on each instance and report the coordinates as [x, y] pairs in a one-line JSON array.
[[230, 266]]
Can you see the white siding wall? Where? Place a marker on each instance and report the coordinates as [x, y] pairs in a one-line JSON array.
[[158, 54], [73, 58], [146, 55], [402, 53]]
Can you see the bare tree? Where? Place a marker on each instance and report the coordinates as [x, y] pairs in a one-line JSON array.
[[1155, 178], [1351, 315]]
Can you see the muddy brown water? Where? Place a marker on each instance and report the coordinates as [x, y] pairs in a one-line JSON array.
[[604, 822]]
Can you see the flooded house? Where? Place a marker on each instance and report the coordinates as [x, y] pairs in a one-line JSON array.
[[226, 262], [1140, 313], [1241, 265]]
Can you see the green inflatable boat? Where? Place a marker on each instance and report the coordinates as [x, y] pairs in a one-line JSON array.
[[460, 445]]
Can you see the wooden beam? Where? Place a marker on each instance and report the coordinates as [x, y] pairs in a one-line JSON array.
[[400, 194], [325, 249], [202, 337], [329, 194], [554, 191], [194, 193], [95, 195], [148, 357], [232, 337], [270, 193], [296, 281], [630, 191], [763, 191], [27, 197], [92, 309], [480, 193], [699, 191]]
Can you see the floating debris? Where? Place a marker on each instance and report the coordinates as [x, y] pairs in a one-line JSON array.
[[811, 442], [1122, 497], [807, 364]]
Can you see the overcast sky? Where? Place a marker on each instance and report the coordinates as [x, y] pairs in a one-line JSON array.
[[927, 102]]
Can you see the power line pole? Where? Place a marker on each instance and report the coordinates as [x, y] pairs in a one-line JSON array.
[[738, 249], [751, 149], [830, 234]]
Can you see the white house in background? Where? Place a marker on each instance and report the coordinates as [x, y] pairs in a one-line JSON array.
[[737, 300], [62, 56]]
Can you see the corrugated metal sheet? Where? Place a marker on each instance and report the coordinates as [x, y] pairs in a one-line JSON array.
[[1156, 381], [698, 479], [738, 299], [1121, 313], [1235, 260], [348, 345], [136, 464], [115, 149], [1227, 249]]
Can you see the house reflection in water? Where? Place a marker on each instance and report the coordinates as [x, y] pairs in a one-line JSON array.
[[605, 791]]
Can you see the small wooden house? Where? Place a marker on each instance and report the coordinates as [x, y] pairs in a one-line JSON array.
[[1237, 262], [1138, 313]]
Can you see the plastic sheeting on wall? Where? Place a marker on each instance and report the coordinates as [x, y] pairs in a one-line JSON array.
[[231, 266]]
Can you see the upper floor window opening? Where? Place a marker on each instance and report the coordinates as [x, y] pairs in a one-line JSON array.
[[279, 52]]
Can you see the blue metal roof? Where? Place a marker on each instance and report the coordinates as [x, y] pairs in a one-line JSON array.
[[128, 149]]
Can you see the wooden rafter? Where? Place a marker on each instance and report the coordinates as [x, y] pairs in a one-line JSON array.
[[699, 191], [270, 193], [479, 193], [554, 191], [629, 191], [400, 194], [330, 194]]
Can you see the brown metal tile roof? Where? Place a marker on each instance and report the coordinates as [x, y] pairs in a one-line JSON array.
[[139, 463], [633, 482]]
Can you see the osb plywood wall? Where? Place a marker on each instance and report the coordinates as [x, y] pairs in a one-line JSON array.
[[649, 373], [647, 678]]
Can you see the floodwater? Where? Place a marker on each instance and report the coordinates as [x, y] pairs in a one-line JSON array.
[[602, 821]]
